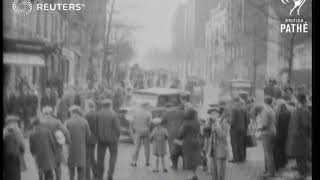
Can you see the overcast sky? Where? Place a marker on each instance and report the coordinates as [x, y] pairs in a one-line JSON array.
[[154, 19]]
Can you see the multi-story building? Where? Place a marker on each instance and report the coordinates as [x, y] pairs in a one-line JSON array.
[[216, 33], [32, 45]]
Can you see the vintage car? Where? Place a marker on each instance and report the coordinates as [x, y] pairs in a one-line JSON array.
[[158, 100], [239, 87]]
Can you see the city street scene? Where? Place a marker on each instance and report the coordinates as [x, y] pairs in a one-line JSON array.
[[157, 89]]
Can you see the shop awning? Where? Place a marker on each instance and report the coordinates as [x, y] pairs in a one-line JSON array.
[[23, 59]]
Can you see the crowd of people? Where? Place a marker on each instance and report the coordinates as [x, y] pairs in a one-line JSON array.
[[85, 121]]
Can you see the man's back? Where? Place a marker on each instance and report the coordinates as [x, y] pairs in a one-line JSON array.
[[108, 126], [141, 121], [173, 119]]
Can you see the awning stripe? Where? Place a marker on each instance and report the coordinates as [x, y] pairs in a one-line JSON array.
[[22, 59]]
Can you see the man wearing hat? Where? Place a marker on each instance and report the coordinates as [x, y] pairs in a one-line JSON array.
[[140, 128], [108, 133], [42, 149], [238, 127], [91, 117], [13, 149], [172, 120], [79, 133], [55, 125]]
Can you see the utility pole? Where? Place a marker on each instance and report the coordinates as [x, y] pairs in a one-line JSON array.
[[255, 64]]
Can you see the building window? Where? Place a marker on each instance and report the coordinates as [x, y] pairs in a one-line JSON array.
[[45, 24]]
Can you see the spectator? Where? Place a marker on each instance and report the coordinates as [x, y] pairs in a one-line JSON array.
[[55, 125], [159, 137], [42, 148], [172, 120], [282, 124], [48, 99], [79, 134], [140, 128], [13, 149], [267, 130], [108, 134], [91, 117], [299, 145], [189, 133]]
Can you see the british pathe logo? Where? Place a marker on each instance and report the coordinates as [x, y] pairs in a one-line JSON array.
[[22, 7], [297, 5]]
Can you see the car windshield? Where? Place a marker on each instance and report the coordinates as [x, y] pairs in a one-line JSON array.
[[138, 99]]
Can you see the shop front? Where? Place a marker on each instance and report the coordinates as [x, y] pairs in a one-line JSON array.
[[25, 63]]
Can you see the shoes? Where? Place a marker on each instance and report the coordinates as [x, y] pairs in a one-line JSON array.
[[147, 164], [109, 178], [133, 164], [165, 170], [155, 171]]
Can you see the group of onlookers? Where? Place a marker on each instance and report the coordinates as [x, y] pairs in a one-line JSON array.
[[284, 126]]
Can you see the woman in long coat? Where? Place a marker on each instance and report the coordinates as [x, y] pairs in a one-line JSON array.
[[299, 137], [189, 134], [282, 124]]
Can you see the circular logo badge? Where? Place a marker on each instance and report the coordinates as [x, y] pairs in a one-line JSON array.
[[22, 7]]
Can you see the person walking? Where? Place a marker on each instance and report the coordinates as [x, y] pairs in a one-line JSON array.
[[55, 125], [91, 117], [218, 144], [172, 120], [238, 124], [108, 133], [140, 128], [42, 148], [299, 145], [159, 137], [189, 135], [48, 99], [79, 134], [267, 130], [13, 149], [283, 116]]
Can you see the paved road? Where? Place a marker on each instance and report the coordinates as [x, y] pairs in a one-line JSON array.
[[247, 171]]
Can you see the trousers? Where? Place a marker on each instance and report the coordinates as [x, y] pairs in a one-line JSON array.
[[139, 141], [268, 146], [175, 153], [80, 170], [238, 144], [218, 168], [46, 175], [113, 151], [91, 162]]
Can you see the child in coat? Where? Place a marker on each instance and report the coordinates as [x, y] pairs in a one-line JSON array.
[[159, 137]]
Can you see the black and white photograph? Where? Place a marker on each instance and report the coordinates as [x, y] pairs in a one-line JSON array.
[[157, 90]]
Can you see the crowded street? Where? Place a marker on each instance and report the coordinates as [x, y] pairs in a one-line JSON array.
[[157, 89]]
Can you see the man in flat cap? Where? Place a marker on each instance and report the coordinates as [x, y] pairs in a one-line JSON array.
[[55, 125], [13, 149], [108, 133], [79, 134]]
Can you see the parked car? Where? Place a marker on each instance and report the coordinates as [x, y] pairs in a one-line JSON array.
[[157, 98]]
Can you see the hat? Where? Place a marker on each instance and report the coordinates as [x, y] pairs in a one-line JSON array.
[[75, 108], [106, 102], [47, 110], [11, 119], [157, 120]]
